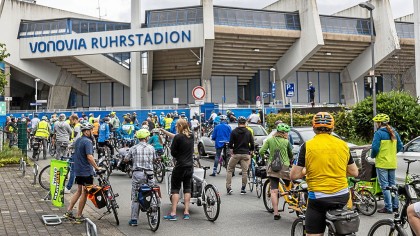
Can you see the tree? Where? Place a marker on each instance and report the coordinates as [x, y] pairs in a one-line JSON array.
[[3, 55]]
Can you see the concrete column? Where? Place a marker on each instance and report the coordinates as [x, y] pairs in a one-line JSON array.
[[59, 97], [410, 82], [417, 43], [349, 88], [209, 36], [7, 86], [135, 66]]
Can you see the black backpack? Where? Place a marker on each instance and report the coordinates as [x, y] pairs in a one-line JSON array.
[[277, 163]]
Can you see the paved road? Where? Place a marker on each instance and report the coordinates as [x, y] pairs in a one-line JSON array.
[[240, 214]]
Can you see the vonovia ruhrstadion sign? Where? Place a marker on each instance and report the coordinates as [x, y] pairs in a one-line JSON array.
[[132, 40]]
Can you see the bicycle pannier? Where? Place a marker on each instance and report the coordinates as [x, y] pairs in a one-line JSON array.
[[261, 171], [145, 197], [344, 221], [96, 196]]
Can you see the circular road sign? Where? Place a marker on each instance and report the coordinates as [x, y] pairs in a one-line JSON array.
[[258, 98], [199, 92]]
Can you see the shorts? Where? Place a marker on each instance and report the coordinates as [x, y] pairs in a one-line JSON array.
[[181, 175], [417, 209], [84, 180], [274, 182], [317, 209]]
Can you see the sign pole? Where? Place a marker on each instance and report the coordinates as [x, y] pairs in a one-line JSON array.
[[262, 107], [291, 112]]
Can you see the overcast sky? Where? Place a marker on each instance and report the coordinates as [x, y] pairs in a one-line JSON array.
[[119, 10]]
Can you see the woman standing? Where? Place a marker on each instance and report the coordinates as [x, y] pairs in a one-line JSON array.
[[386, 143], [182, 150], [278, 145]]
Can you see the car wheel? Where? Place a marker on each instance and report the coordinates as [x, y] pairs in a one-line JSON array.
[[201, 150]]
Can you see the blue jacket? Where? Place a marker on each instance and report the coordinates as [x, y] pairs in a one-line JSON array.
[[382, 134], [162, 121], [221, 134], [173, 129], [217, 120], [103, 133]]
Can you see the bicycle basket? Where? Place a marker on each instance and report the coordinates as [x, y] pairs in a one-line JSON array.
[[261, 171], [344, 221], [145, 197], [96, 196]]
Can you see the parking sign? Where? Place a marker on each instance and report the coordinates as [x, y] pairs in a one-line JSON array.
[[290, 90]]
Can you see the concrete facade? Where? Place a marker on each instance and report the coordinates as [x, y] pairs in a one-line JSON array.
[[417, 42]]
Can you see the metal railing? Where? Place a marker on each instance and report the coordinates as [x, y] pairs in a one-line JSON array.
[[345, 25], [405, 30], [174, 16]]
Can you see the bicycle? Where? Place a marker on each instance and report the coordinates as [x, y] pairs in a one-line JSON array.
[[109, 195], [44, 174], [407, 194], [362, 198], [105, 160], [253, 179], [224, 157], [149, 198], [37, 148]]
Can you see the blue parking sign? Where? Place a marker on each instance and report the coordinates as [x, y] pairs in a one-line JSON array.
[[273, 90], [290, 90]]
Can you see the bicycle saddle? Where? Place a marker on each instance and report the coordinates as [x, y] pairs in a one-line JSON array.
[[206, 167]]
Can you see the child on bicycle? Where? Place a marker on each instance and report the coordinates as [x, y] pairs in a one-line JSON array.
[[156, 141]]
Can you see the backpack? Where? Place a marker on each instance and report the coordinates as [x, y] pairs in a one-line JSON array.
[[277, 163]]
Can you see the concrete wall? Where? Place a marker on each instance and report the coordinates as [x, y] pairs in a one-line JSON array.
[[104, 95], [165, 90]]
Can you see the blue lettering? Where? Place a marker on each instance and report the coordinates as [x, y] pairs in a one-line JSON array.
[[148, 39], [69, 47], [158, 40], [172, 37], [42, 46], [186, 36], [166, 37], [113, 41], [122, 40], [94, 42], [33, 49], [82, 43], [53, 45], [130, 38], [139, 38], [60, 45], [103, 44]]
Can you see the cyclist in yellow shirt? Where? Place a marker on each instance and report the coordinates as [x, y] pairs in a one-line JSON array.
[[168, 122], [42, 132]]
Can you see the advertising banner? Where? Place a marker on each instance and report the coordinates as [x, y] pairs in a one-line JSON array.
[[58, 172]]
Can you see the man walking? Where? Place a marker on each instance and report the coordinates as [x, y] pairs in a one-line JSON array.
[[242, 142], [62, 135], [311, 91], [83, 163]]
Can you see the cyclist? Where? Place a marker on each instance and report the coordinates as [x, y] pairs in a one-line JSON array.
[[62, 135], [217, 119], [254, 118], [386, 143], [156, 141], [95, 130], [13, 129], [220, 135], [115, 123], [162, 119], [167, 123], [104, 135], [91, 118], [134, 118], [413, 213], [83, 163], [127, 130], [35, 121], [242, 142], [142, 156], [328, 162], [42, 132], [173, 124]]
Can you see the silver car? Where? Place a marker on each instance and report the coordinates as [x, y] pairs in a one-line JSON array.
[[206, 145]]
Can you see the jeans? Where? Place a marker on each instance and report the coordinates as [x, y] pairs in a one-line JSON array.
[[216, 159], [386, 178], [72, 176]]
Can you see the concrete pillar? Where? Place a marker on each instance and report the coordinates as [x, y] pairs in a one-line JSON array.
[[349, 88], [7, 86], [59, 97], [209, 36], [135, 66], [417, 43], [410, 82]]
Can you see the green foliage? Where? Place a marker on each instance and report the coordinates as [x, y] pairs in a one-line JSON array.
[[10, 156], [3, 55], [298, 119], [402, 108]]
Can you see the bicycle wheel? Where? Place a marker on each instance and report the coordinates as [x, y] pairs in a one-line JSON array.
[[153, 214], [211, 203], [267, 196], [44, 178], [258, 187], [159, 171], [367, 204], [251, 178], [112, 203], [297, 228], [386, 227]]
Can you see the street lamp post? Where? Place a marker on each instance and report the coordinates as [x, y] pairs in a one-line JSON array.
[[36, 95], [370, 8]]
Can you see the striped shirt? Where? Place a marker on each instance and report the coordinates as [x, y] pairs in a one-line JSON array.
[[142, 155]]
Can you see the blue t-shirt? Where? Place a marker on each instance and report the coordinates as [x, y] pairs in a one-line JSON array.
[[82, 148], [154, 141]]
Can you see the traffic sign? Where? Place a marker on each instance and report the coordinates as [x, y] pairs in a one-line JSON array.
[[175, 100], [258, 98], [42, 101], [199, 102], [265, 95], [273, 90], [7, 99], [35, 104], [198, 92], [290, 90], [2, 108]]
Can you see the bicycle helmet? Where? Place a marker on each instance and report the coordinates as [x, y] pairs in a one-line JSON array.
[[384, 118], [155, 130], [283, 128], [323, 119], [44, 118], [242, 120], [142, 133], [106, 119], [62, 117], [223, 117], [86, 126], [145, 127]]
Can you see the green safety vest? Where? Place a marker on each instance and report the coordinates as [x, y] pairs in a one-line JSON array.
[[42, 130]]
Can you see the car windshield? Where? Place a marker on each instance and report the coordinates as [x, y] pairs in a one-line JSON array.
[[258, 131]]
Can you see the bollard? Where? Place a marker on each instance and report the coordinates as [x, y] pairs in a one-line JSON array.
[[90, 228], [35, 171], [23, 168]]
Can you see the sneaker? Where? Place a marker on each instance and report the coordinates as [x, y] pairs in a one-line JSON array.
[[170, 217], [213, 174], [79, 220], [229, 191], [132, 223], [384, 210], [66, 191], [243, 191], [186, 216], [68, 215], [277, 217]]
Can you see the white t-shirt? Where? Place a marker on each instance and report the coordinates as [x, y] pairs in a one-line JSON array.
[[213, 116], [194, 123], [254, 118]]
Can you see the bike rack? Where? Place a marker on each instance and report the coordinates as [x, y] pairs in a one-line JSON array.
[[22, 166], [51, 220], [35, 171], [90, 228]]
